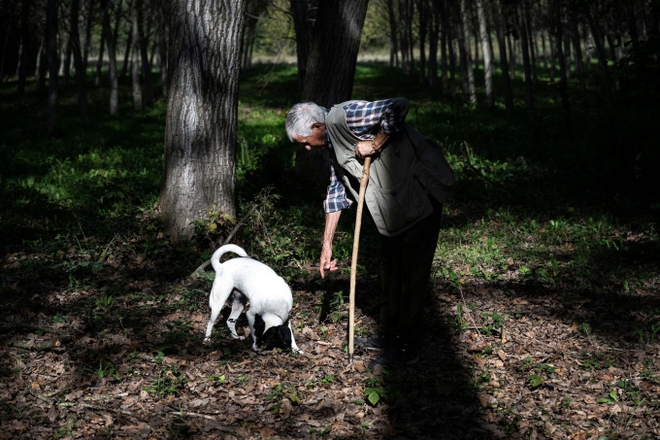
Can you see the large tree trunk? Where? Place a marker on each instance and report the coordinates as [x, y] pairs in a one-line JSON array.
[[202, 113], [53, 68], [488, 55], [333, 52], [112, 58], [78, 60]]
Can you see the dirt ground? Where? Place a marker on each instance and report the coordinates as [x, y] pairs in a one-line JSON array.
[[499, 361]]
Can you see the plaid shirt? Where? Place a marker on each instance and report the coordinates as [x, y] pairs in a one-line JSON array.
[[364, 119]]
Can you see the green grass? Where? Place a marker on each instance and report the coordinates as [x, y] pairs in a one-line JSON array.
[[535, 206]]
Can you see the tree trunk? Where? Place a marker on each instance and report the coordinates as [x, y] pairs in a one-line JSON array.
[[488, 56], [78, 60], [23, 54], [301, 10], [563, 85], [42, 65], [135, 61], [333, 52], [112, 58], [202, 113], [99, 61], [444, 40], [162, 48], [530, 39], [504, 64], [423, 31], [88, 33], [433, 45], [127, 50], [53, 68], [469, 87], [524, 43], [144, 55], [394, 38]]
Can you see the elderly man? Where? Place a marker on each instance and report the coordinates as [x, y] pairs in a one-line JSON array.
[[408, 182]]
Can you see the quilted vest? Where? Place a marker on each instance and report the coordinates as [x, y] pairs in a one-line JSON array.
[[409, 168]]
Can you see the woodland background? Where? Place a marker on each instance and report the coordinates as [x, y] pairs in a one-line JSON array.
[[545, 314]]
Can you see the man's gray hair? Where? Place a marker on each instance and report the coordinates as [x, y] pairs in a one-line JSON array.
[[301, 117]]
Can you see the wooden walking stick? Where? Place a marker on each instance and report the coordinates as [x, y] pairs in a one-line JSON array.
[[356, 241]]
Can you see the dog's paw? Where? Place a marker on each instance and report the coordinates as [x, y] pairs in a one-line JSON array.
[[238, 337]]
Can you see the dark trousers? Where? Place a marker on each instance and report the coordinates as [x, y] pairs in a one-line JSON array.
[[405, 271]]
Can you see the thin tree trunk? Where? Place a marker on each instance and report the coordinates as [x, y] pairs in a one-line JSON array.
[[127, 52], [577, 50], [162, 49], [88, 33], [466, 63], [530, 39], [423, 31], [112, 58], [563, 85], [42, 65], [524, 43], [504, 65], [78, 60], [135, 62], [99, 61], [144, 54], [4, 52], [394, 40], [23, 54], [444, 42], [488, 56], [433, 45], [53, 70]]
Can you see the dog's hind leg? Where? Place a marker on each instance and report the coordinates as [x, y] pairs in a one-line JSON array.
[[217, 300], [236, 309]]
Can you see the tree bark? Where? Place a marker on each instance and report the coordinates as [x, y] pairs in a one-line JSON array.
[[202, 112], [78, 60], [394, 37], [88, 32], [524, 43], [422, 11], [144, 55], [333, 52], [23, 53], [53, 68], [112, 58], [162, 48], [469, 88], [504, 64], [135, 61], [488, 56], [302, 12], [563, 85]]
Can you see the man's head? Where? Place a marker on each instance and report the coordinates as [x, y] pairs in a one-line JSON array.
[[305, 124]]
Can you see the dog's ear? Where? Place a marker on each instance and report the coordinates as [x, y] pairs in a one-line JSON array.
[[284, 335], [259, 326]]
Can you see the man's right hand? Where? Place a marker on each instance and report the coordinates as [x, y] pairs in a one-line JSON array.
[[327, 263]]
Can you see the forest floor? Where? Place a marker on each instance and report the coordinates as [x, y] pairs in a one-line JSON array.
[[498, 362]]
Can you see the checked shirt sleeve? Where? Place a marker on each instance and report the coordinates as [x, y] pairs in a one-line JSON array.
[[365, 119], [336, 199]]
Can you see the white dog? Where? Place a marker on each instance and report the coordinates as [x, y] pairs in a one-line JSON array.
[[269, 295]]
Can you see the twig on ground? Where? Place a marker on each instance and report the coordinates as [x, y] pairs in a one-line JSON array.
[[471, 318], [97, 407], [197, 272]]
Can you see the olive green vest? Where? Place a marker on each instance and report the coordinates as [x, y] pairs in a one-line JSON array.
[[409, 168]]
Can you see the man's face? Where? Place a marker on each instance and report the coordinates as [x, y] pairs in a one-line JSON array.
[[315, 140]]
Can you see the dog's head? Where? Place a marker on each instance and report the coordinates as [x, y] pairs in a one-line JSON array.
[[275, 336]]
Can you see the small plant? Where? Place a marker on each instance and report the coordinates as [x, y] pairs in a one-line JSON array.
[[586, 328], [105, 303], [459, 322], [565, 403], [373, 390], [217, 378], [611, 399], [279, 392], [497, 322]]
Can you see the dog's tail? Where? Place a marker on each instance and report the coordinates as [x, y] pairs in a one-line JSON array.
[[217, 255]]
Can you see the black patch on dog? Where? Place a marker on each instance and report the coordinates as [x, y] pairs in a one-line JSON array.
[[278, 336]]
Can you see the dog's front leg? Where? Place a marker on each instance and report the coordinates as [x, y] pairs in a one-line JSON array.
[[250, 317], [294, 347]]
